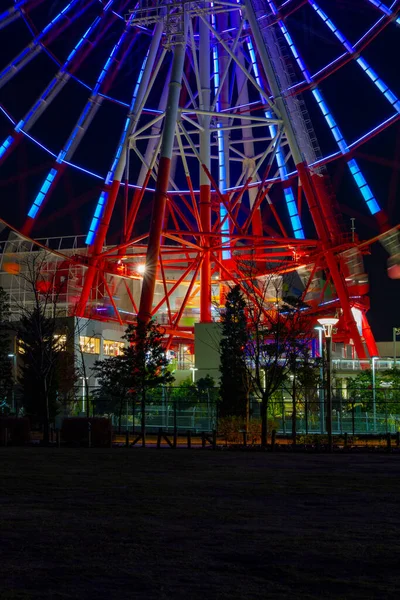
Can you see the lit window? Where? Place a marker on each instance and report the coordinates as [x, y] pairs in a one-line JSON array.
[[90, 345], [112, 348], [60, 342]]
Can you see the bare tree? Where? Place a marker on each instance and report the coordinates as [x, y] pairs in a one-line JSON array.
[[45, 341], [277, 326]]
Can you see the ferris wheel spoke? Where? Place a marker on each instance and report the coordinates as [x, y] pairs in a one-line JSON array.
[[60, 22], [362, 63], [355, 171], [141, 90], [86, 117], [80, 51], [384, 9], [16, 11]]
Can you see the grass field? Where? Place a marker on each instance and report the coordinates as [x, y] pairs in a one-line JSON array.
[[161, 524]]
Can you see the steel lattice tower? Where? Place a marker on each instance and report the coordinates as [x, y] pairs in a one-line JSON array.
[[218, 139]]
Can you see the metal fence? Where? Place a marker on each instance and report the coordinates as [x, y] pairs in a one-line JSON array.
[[353, 412]]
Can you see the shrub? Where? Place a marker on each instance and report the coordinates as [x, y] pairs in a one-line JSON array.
[[75, 430], [19, 430]]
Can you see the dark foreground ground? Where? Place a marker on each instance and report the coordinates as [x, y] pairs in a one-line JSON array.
[[133, 524]]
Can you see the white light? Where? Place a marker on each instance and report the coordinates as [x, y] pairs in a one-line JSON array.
[[328, 323], [141, 268], [11, 355]]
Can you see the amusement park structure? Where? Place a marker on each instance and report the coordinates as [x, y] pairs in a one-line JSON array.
[[216, 162]]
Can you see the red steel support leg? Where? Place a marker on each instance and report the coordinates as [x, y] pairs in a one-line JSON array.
[[369, 337], [205, 274], [160, 196]]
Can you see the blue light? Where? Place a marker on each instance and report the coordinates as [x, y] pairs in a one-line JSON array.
[[5, 146], [363, 186], [96, 218], [42, 193], [294, 214]]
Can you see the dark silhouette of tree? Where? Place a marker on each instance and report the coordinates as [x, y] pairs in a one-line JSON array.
[[234, 386], [6, 374], [114, 377], [142, 366]]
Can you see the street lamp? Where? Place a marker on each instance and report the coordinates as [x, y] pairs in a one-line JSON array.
[[373, 359], [193, 369], [320, 330], [328, 324]]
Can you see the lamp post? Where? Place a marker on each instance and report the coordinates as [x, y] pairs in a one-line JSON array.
[[193, 369], [374, 359], [320, 330], [328, 323]]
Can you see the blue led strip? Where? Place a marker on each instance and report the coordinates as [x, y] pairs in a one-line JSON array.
[[41, 195], [35, 47], [6, 145], [355, 171], [51, 91], [110, 175], [11, 13], [291, 204], [92, 106], [222, 183], [383, 8], [380, 84]]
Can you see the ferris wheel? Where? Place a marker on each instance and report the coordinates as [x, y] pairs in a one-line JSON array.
[[199, 136]]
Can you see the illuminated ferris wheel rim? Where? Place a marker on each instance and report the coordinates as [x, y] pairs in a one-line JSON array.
[[388, 15]]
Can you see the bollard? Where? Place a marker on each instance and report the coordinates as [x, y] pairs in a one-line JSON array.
[[397, 438], [58, 438], [214, 439], [189, 439], [388, 442], [203, 439], [245, 438], [89, 434], [127, 438], [111, 439], [346, 443], [159, 436], [273, 440]]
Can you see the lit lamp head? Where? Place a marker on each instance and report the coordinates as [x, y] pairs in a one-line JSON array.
[[328, 323], [141, 268]]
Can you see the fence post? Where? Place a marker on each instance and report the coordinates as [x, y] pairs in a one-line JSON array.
[[89, 434], [306, 412], [203, 439], [389, 442], [353, 424], [127, 438], [214, 439], [58, 438], [273, 440], [143, 420], [5, 437], [175, 426], [189, 439], [398, 439], [51, 434], [111, 438], [346, 443], [244, 438]]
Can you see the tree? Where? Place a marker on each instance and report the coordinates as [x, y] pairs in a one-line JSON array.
[[114, 385], [6, 375], [234, 386], [47, 363], [41, 357], [143, 365], [303, 378], [276, 327]]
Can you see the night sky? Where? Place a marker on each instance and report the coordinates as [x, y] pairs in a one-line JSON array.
[[358, 107]]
